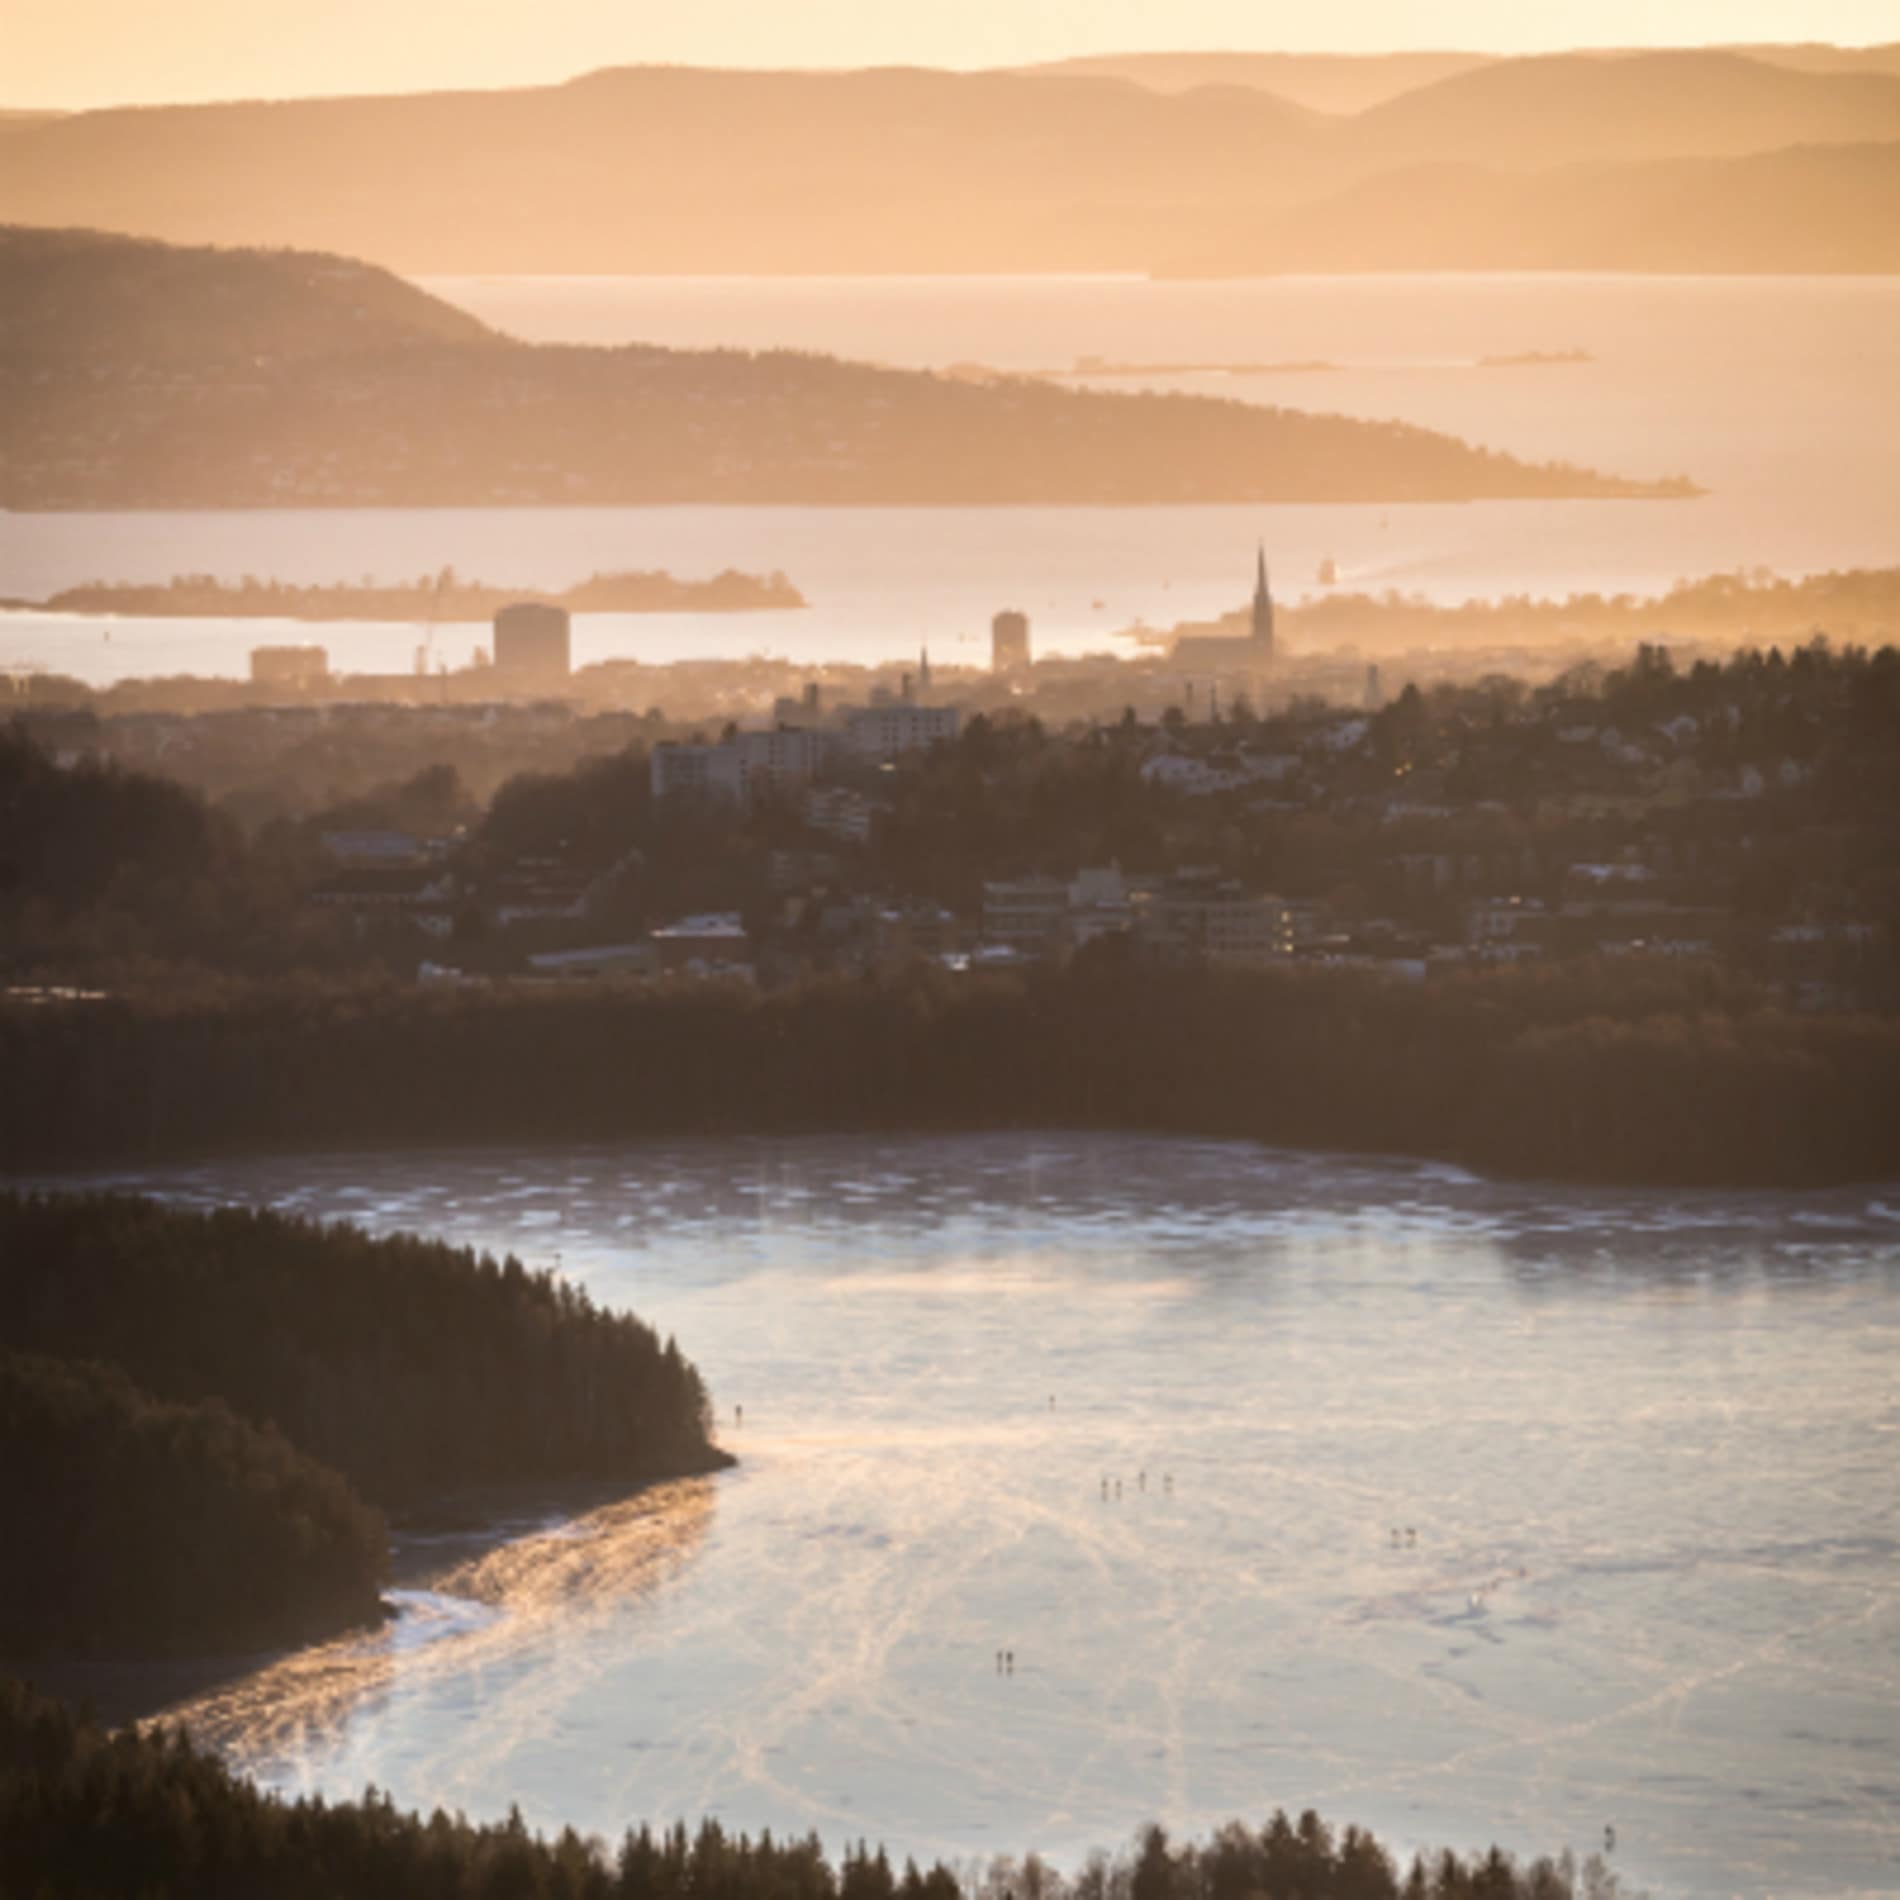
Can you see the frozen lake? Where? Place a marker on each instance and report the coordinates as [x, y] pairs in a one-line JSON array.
[[1776, 394], [1465, 1511]]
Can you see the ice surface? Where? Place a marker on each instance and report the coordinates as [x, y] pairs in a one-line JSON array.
[[1470, 1511]]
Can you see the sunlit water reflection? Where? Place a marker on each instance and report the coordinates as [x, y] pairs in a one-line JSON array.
[[1467, 1511]]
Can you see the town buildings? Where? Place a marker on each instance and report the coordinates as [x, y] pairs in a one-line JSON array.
[[744, 766], [1249, 656], [886, 732], [292, 667]]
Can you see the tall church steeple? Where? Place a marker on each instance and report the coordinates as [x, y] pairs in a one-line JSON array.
[[1263, 608]]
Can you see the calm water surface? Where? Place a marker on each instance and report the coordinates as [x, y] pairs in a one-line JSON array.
[[1777, 394], [1638, 1451]]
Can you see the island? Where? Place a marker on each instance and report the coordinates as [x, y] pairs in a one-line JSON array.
[[442, 596], [1086, 366], [1535, 359]]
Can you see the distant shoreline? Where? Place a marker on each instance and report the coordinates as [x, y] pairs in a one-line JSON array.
[[1631, 488], [1085, 367]]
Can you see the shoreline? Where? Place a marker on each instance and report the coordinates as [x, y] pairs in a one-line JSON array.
[[113, 1175], [1611, 488], [131, 1691]]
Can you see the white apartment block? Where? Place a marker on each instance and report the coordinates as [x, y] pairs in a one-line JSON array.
[[1028, 914], [883, 732], [738, 768], [1219, 924]]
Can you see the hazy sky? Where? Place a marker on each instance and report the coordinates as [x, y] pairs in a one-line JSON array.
[[96, 52]]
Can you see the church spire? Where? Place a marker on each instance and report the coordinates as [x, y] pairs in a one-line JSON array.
[[1262, 607]]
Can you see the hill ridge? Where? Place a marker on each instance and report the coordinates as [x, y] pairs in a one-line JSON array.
[[237, 379], [684, 170]]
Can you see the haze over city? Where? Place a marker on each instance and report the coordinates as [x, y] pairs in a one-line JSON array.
[[950, 953]]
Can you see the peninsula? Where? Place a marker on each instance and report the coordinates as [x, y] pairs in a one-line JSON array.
[[141, 375], [247, 1397]]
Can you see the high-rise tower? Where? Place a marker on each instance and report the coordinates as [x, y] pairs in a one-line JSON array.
[[1009, 641]]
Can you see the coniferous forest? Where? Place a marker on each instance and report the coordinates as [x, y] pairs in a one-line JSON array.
[[146, 1526], [84, 1813], [410, 1366], [203, 1414]]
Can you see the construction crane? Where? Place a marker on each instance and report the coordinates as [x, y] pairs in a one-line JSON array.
[[426, 661]]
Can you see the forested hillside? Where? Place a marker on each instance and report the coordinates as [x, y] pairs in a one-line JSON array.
[[136, 376], [409, 1366], [139, 1527]]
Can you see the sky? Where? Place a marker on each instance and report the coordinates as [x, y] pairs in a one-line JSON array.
[[71, 53]]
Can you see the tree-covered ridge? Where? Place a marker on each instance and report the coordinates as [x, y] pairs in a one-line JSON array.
[[73, 294], [107, 413], [69, 839], [410, 1367], [89, 1816], [138, 1526]]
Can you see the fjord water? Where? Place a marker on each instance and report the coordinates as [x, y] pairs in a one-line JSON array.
[[1468, 1511], [1776, 394]]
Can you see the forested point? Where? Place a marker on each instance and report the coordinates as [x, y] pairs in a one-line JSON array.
[[1593, 1070], [136, 374], [410, 1367], [87, 1815], [140, 1526]]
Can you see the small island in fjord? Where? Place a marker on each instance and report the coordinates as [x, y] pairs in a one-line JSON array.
[[442, 596]]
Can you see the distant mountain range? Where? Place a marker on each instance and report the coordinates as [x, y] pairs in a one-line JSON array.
[[1819, 208], [138, 375], [1350, 82], [1322, 82], [1152, 162]]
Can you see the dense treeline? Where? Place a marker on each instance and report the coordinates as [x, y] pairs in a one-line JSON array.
[[140, 1526], [410, 1367], [98, 862], [1637, 1072], [149, 1817]]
